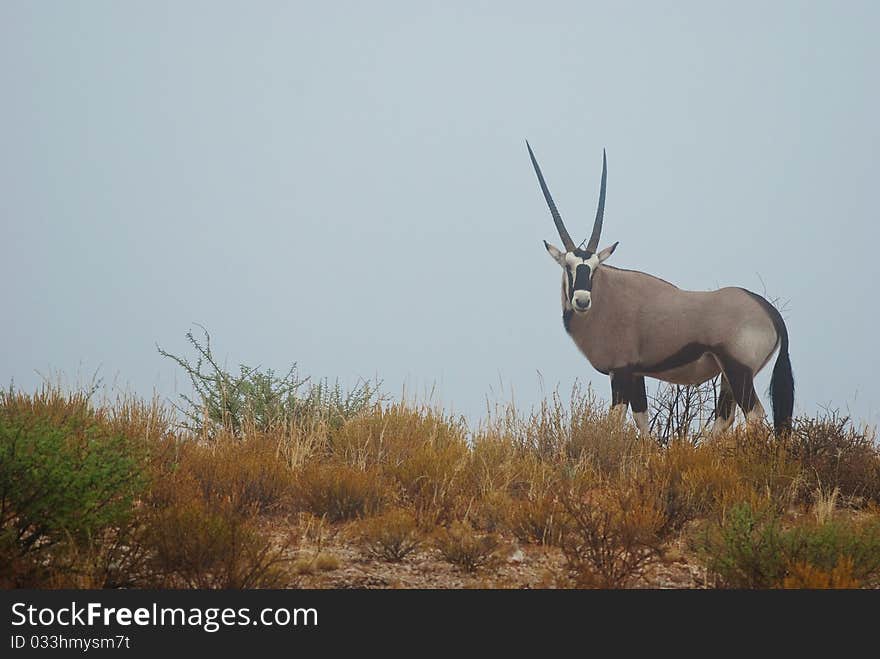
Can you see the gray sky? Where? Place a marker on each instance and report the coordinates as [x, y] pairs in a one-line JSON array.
[[346, 185]]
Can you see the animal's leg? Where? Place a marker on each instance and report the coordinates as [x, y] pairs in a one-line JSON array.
[[725, 408], [639, 403], [742, 384], [621, 384]]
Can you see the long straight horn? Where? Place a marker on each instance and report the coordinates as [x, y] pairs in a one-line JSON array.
[[557, 219], [593, 245]]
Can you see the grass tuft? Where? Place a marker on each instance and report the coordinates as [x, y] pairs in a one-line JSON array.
[[269, 477]]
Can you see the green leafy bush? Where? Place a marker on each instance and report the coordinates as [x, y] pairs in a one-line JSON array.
[[65, 478], [827, 546], [260, 400], [745, 550], [751, 549]]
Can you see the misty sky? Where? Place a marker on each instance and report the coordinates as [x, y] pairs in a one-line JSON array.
[[346, 185]]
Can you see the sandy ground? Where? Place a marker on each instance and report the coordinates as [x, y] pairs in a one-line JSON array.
[[518, 566]]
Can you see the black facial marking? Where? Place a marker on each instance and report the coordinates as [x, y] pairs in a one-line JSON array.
[[583, 279], [566, 319]]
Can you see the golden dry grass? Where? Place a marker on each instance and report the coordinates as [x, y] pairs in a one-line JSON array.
[[402, 480]]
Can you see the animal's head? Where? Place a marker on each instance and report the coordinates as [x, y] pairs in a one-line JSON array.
[[579, 264]]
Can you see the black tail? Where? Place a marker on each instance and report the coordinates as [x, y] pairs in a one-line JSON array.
[[782, 389], [782, 382]]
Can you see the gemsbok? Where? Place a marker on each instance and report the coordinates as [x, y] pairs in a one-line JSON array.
[[631, 325]]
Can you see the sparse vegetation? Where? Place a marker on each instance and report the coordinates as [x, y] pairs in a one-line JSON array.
[[614, 529], [340, 492], [836, 454], [319, 562], [467, 548], [391, 536], [259, 400], [682, 413], [268, 483], [760, 549], [196, 545]]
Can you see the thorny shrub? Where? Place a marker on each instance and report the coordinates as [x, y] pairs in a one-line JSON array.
[[391, 536], [462, 545]]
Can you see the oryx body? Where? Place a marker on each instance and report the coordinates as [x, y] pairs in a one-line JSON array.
[[631, 325]]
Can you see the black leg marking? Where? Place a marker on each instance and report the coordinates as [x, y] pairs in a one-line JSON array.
[[741, 383], [639, 395], [621, 387], [724, 406]]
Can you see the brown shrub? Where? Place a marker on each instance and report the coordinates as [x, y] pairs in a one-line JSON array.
[[572, 431], [492, 465], [491, 512], [696, 481], [680, 413], [146, 421], [613, 530], [833, 454], [195, 545], [318, 562], [566, 475], [807, 575], [52, 405], [536, 513], [461, 545], [391, 536], [248, 472], [391, 432], [540, 519], [340, 491], [431, 480], [198, 522], [762, 463]]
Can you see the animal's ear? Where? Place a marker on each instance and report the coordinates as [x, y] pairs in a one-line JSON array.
[[557, 255], [608, 251]]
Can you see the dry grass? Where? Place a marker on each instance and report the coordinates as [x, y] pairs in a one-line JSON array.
[[319, 562], [340, 492], [404, 482], [614, 528], [196, 545], [806, 575], [467, 548], [245, 472], [391, 536]]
